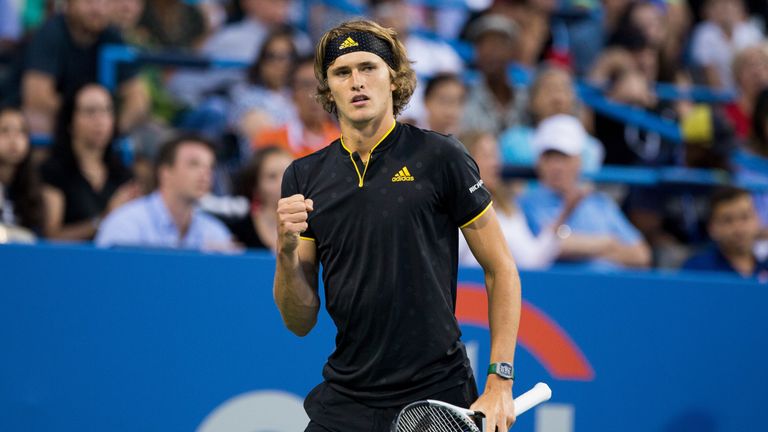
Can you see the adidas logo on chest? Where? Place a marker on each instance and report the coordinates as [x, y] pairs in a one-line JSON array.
[[403, 176]]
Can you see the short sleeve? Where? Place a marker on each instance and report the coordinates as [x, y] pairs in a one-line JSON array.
[[465, 195], [43, 52], [118, 229], [289, 187]]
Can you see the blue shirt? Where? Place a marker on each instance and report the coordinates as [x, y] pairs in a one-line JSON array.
[[516, 148], [147, 222], [712, 260], [596, 214]]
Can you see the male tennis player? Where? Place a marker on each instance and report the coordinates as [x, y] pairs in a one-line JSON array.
[[380, 208]]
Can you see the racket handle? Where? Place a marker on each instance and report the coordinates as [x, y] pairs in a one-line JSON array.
[[538, 394]]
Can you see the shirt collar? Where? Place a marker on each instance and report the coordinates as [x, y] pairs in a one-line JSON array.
[[384, 143]]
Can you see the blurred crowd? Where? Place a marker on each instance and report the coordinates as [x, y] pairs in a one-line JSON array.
[[178, 156]]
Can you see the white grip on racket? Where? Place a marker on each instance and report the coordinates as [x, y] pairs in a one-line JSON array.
[[538, 394]]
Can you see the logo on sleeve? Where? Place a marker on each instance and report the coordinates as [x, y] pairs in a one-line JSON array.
[[403, 175], [476, 186], [348, 43]]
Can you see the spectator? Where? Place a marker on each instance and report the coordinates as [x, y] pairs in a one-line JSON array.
[[173, 24], [21, 201], [444, 98], [84, 179], [750, 73], [430, 55], [311, 128], [243, 40], [126, 15], [63, 56], [529, 251], [264, 100], [627, 144], [551, 93], [733, 226], [260, 184], [750, 163], [715, 40], [604, 238], [169, 217], [493, 102]]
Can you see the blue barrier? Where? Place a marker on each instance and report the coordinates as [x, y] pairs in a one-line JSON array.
[[133, 340]]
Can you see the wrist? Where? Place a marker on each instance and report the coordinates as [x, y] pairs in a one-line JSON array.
[[495, 382]]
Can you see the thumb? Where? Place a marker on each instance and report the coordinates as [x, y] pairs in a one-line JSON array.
[[309, 204]]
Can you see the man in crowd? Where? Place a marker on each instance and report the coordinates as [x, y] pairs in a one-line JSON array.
[[64, 55], [169, 217], [733, 226], [597, 233]]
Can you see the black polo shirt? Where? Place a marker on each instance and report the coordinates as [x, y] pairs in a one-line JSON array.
[[387, 238]]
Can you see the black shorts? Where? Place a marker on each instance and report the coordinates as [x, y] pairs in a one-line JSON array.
[[331, 411]]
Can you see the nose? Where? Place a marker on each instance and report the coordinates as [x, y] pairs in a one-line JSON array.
[[357, 80]]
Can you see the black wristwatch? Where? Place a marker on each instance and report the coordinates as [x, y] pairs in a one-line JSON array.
[[502, 369]]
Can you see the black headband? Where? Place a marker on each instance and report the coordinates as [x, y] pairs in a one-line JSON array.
[[356, 41]]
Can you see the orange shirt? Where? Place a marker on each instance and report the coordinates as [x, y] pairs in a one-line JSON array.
[[297, 140]]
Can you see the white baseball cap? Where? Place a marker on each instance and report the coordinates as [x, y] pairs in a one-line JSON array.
[[561, 132]]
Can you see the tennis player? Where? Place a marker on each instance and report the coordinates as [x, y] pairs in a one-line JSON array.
[[381, 209]]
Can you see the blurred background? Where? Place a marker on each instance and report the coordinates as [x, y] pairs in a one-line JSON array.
[[142, 146]]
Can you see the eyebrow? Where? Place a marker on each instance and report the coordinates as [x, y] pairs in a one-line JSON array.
[[358, 65]]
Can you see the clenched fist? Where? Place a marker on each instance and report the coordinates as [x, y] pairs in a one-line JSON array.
[[292, 214]]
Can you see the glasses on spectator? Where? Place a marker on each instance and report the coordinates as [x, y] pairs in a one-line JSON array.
[[94, 110]]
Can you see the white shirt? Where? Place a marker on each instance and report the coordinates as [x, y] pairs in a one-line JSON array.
[[530, 252], [711, 47]]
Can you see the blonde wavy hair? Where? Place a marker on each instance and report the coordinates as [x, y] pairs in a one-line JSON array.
[[403, 77]]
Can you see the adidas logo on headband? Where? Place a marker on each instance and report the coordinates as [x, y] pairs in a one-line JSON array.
[[348, 43]]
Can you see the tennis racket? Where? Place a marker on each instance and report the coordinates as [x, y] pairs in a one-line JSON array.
[[436, 416]]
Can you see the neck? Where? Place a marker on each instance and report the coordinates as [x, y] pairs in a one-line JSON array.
[[7, 171], [361, 138], [79, 34], [741, 260], [87, 155], [180, 209]]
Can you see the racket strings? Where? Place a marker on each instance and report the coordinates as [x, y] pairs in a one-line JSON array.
[[427, 418]]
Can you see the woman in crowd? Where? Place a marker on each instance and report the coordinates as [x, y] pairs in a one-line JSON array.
[[21, 202], [260, 183], [264, 100], [84, 179], [529, 251]]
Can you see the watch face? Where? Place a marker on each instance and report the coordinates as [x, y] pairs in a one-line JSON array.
[[505, 370]]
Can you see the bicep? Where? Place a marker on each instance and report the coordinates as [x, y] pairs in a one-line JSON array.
[[486, 241]]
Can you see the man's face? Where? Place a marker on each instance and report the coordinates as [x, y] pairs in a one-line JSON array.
[[734, 225], [361, 87], [445, 106], [554, 96], [559, 171], [494, 51], [304, 85], [270, 12], [89, 15], [191, 174], [125, 14]]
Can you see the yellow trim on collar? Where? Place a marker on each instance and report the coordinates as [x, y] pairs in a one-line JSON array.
[[370, 152], [306, 238], [478, 216]]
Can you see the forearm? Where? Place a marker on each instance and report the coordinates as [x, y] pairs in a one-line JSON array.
[[503, 312], [578, 246], [636, 255], [79, 231], [136, 104], [295, 296]]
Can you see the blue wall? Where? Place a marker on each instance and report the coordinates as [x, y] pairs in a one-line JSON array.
[[127, 340]]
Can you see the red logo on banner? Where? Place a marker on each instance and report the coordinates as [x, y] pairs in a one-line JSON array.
[[539, 334]]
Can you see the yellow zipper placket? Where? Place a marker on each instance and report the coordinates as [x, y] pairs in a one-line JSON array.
[[361, 177]]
